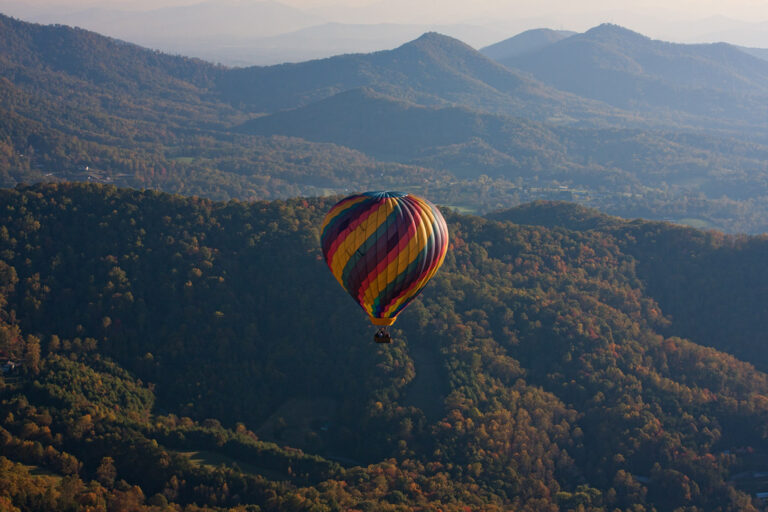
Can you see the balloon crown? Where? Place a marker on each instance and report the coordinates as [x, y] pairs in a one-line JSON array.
[[381, 194]]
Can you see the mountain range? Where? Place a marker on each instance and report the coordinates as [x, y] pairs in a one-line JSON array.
[[269, 32], [431, 70], [433, 114], [717, 82]]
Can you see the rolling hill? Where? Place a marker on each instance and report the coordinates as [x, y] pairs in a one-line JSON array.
[[81, 106], [393, 130], [678, 263], [468, 143]]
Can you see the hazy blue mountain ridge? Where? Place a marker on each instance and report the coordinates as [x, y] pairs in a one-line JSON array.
[[524, 42], [118, 113], [230, 18], [716, 82], [431, 70], [761, 53], [97, 59]]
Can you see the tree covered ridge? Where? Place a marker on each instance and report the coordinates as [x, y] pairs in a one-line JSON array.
[[687, 271], [152, 326]]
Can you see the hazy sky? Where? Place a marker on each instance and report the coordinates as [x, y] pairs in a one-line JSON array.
[[746, 10], [476, 22]]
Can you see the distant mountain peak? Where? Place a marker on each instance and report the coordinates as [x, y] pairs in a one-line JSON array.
[[434, 36], [437, 40], [612, 31], [628, 70]]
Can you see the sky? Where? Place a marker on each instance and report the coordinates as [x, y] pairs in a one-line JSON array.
[[745, 10], [476, 22], [656, 18]]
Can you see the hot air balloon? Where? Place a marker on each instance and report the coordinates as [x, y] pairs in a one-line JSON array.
[[383, 247]]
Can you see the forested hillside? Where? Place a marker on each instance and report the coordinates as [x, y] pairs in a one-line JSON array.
[[181, 351], [686, 271], [79, 106], [466, 142]]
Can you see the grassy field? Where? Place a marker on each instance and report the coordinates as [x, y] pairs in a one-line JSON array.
[[297, 420], [696, 223], [464, 210], [213, 460], [184, 159], [50, 478]]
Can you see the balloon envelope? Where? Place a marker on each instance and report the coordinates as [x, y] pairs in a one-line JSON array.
[[383, 247]]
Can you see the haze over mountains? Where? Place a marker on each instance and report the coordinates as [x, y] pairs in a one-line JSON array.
[[467, 142], [246, 33], [631, 71], [241, 32]]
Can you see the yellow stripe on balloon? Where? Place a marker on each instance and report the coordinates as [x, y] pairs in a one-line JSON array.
[[355, 239]]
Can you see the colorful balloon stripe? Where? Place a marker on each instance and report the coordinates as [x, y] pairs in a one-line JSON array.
[[436, 250], [383, 247]]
